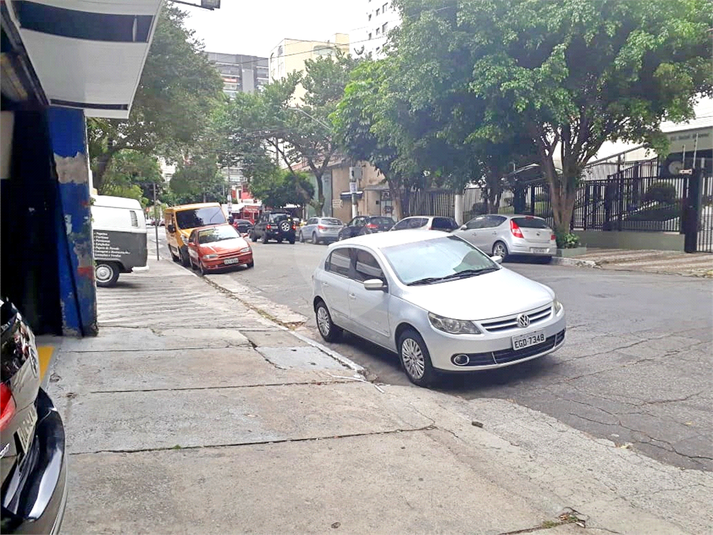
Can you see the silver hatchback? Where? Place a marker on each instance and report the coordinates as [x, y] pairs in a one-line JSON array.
[[321, 229], [505, 235], [436, 301]]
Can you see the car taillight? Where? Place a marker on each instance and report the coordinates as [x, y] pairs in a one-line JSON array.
[[294, 228], [7, 406], [268, 227], [553, 237], [515, 229], [321, 227], [372, 226]]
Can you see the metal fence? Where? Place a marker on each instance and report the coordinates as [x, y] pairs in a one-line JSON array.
[[432, 202]]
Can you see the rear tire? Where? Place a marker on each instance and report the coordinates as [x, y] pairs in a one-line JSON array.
[[292, 241], [326, 327], [302, 237], [264, 238], [106, 274], [185, 258], [500, 249], [544, 259], [314, 238], [279, 240], [174, 257], [415, 359]]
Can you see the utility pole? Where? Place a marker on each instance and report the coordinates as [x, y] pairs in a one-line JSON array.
[[354, 177], [155, 219]]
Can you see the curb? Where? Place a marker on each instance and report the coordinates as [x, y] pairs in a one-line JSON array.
[[573, 262]]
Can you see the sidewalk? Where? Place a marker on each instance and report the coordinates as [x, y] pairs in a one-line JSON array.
[[191, 413], [650, 261]]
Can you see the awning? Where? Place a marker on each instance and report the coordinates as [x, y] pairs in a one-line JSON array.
[[87, 54]]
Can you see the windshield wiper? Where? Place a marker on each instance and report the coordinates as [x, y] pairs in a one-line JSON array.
[[470, 273], [427, 280]]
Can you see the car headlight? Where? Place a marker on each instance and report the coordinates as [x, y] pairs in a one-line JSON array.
[[557, 305], [210, 256], [244, 250], [451, 326]]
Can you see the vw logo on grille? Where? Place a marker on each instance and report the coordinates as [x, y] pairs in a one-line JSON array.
[[523, 320]]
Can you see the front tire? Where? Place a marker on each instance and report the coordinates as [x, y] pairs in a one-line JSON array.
[[174, 257], [314, 238], [106, 274], [253, 237], [415, 359], [327, 329], [500, 249], [250, 264], [185, 258], [302, 237]]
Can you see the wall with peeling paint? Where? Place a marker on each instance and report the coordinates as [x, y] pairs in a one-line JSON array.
[[74, 229]]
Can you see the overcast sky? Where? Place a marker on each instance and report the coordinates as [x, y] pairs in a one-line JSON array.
[[254, 27]]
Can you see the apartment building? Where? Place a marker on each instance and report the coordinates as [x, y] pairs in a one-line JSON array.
[[380, 16], [240, 73], [290, 55]]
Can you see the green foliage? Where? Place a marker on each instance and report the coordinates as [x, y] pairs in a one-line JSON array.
[[198, 180], [569, 74], [281, 187], [661, 192], [567, 240], [132, 174], [177, 91]]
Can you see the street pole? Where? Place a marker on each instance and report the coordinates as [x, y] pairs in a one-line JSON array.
[[155, 219], [354, 176]]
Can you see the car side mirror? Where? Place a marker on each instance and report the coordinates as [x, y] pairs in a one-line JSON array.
[[171, 228], [375, 285], [463, 227], [497, 259]]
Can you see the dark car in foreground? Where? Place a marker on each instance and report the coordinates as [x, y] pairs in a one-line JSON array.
[[32, 440], [274, 226], [365, 224]]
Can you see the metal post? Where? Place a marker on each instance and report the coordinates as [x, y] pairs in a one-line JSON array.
[[155, 219]]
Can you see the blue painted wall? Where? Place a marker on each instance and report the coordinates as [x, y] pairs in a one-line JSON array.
[[74, 229]]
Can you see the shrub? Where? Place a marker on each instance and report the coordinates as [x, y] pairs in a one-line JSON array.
[[661, 193], [567, 241]]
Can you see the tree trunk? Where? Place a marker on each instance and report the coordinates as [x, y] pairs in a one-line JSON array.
[[395, 199]]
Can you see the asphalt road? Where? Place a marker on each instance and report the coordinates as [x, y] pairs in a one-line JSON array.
[[636, 367]]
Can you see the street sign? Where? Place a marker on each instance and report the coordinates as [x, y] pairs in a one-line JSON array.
[[337, 203], [352, 187]]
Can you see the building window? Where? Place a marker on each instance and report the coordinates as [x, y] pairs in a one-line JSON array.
[[369, 16], [378, 49], [378, 10], [383, 28], [369, 35], [383, 8], [378, 30]]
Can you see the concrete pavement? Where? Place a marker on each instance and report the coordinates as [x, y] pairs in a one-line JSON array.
[[648, 261], [191, 413]]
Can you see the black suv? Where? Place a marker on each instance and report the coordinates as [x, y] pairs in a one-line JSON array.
[[274, 226], [365, 224]]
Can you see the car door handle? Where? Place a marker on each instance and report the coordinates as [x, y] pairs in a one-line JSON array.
[[325, 284], [352, 296]]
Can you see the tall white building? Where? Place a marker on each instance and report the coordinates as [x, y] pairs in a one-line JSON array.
[[380, 16]]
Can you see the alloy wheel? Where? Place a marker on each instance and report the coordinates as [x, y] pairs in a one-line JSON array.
[[413, 359], [324, 322]]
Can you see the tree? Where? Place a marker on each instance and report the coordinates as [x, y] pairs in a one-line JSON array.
[[281, 187], [572, 74], [177, 90], [268, 122], [132, 174], [199, 180]]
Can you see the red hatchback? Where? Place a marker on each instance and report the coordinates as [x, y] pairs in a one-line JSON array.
[[217, 247]]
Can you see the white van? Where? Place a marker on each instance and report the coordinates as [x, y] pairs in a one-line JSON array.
[[120, 245]]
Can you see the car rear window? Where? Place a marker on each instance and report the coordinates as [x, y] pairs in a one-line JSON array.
[[278, 217], [331, 221], [200, 217], [387, 221], [530, 222], [444, 223]]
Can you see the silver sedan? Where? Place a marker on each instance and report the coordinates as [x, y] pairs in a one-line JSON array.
[[436, 301], [321, 229], [505, 235]]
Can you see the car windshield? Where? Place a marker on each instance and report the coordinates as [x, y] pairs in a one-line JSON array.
[[200, 217], [212, 235], [430, 261], [387, 221], [330, 221], [530, 222]]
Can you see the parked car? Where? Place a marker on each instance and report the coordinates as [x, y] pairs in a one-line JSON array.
[[180, 222], [274, 226], [446, 224], [218, 247], [32, 438], [243, 226], [321, 229], [505, 235], [435, 300], [119, 232], [365, 224]]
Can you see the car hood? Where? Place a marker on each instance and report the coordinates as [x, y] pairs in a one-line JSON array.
[[224, 246], [490, 295]]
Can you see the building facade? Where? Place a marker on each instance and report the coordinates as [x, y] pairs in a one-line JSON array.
[[290, 55], [380, 17], [240, 73]]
